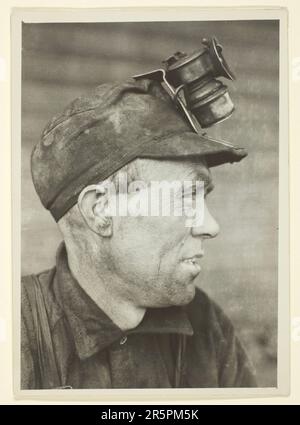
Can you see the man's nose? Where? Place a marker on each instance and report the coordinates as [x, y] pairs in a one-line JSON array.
[[209, 228]]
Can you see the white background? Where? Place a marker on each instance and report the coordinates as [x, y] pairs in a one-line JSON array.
[[6, 391]]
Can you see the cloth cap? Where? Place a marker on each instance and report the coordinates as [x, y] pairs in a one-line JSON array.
[[98, 134]]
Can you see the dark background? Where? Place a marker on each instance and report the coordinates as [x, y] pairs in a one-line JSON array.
[[62, 61]]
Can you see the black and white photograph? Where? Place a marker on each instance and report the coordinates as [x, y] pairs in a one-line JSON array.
[[150, 175]]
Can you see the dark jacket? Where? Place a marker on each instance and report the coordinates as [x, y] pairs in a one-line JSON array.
[[191, 346]]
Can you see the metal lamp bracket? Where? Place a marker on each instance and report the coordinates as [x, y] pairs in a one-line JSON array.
[[175, 94], [160, 76]]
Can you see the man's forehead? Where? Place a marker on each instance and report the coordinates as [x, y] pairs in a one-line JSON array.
[[176, 170]]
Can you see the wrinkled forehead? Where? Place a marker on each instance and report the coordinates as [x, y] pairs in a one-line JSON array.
[[179, 170]]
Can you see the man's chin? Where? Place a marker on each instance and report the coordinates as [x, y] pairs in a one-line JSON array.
[[179, 293], [185, 296]]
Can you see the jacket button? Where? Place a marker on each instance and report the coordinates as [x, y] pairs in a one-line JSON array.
[[123, 340]]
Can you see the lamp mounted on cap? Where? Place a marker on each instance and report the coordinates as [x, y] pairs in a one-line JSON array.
[[191, 82]]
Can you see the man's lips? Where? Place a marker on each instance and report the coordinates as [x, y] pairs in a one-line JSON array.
[[193, 262], [194, 258]]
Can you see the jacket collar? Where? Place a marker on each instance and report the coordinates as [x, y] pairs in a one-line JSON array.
[[92, 329]]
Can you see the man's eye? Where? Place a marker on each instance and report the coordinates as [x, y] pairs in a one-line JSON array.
[[189, 193], [194, 193]]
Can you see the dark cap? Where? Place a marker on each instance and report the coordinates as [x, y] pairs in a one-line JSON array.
[[99, 133]]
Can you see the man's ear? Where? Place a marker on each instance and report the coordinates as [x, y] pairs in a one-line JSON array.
[[93, 205]]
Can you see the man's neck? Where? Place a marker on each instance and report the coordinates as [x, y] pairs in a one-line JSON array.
[[105, 291]]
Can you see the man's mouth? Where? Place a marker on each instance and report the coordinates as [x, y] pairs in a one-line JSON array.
[[193, 263]]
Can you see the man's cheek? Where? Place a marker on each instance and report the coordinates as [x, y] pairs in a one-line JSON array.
[[169, 255], [152, 240]]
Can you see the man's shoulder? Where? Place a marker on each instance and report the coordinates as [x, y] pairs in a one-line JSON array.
[[39, 314], [44, 280], [45, 277]]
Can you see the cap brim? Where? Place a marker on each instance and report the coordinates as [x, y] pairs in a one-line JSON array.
[[192, 145]]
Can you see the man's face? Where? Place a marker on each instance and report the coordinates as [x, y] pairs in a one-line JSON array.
[[158, 257]]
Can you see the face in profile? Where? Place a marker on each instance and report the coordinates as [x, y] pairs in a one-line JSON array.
[[159, 257]]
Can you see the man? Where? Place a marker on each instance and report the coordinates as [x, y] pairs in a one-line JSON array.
[[120, 309]]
